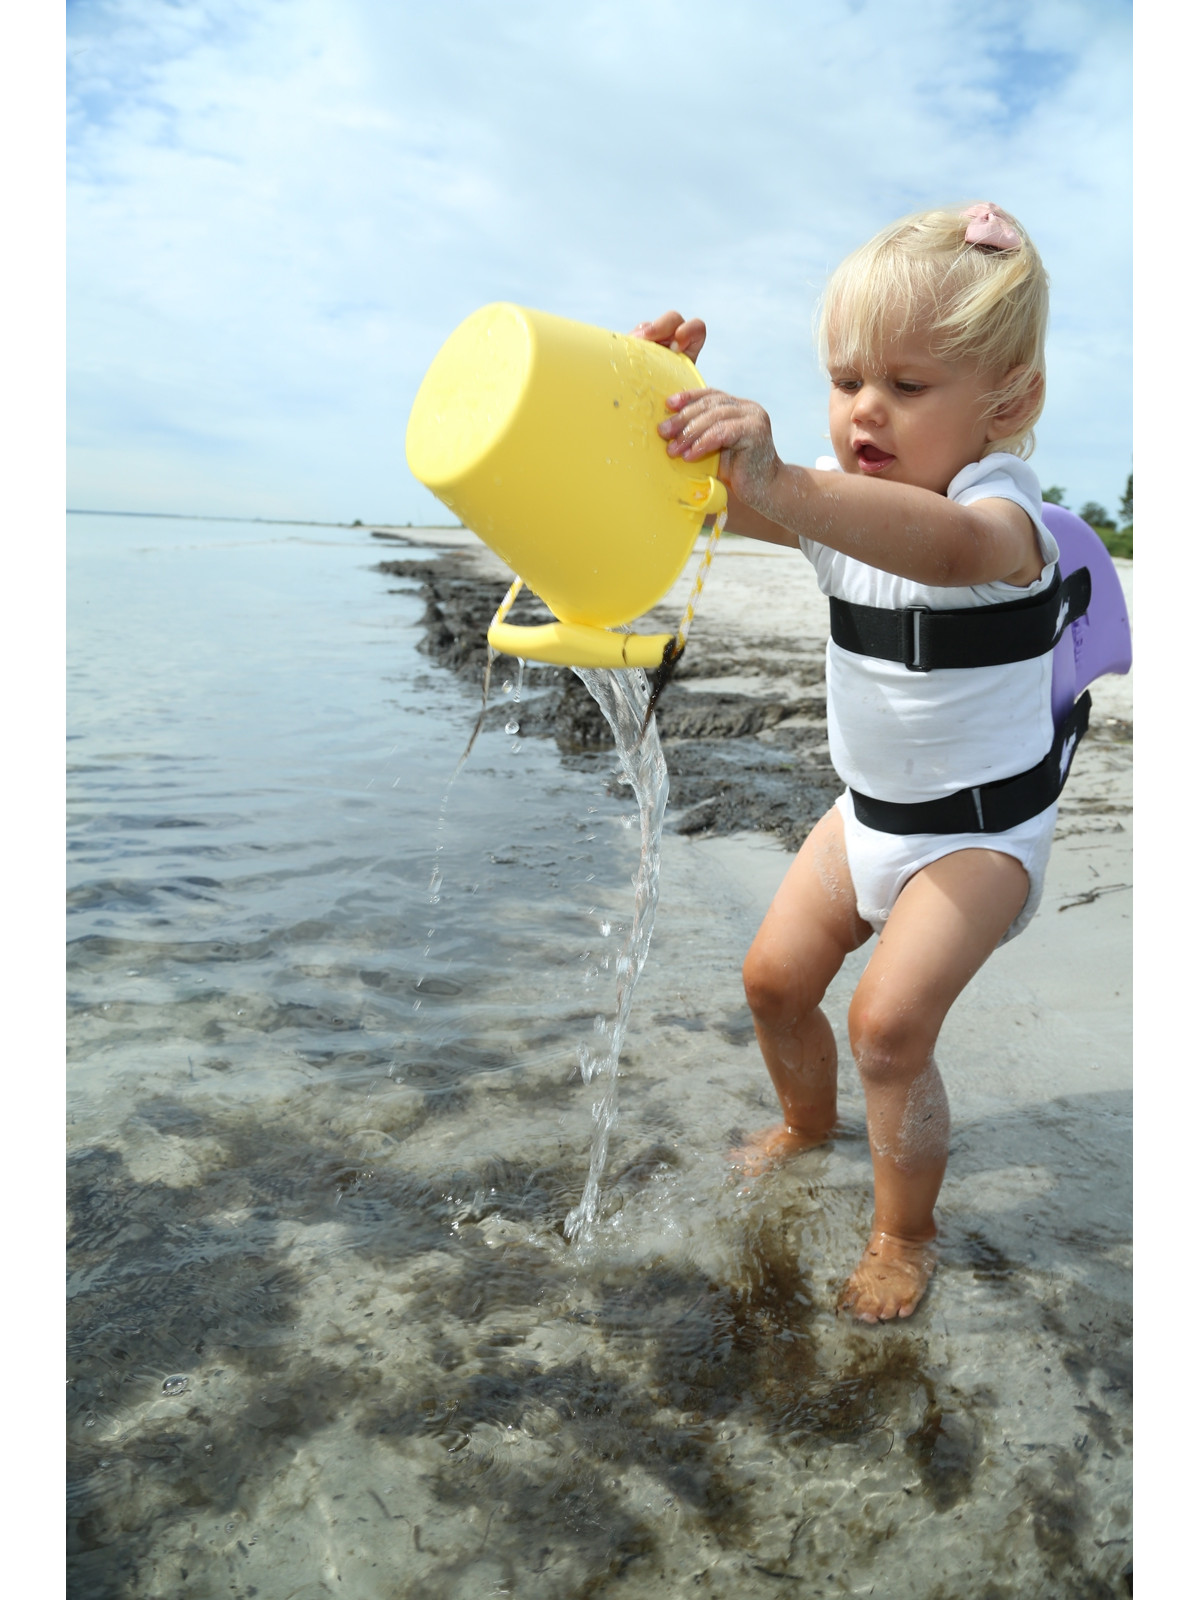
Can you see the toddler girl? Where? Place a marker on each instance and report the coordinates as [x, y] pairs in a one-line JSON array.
[[933, 333]]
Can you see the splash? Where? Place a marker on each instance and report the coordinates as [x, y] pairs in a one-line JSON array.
[[623, 696]]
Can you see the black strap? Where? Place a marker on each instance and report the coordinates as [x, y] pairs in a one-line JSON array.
[[989, 807], [974, 636]]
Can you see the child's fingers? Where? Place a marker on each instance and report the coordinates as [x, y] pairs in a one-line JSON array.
[[679, 403], [690, 337], [710, 422], [661, 329], [701, 416], [716, 431], [672, 330]]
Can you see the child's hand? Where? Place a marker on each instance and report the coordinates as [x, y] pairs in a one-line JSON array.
[[706, 420], [671, 330]]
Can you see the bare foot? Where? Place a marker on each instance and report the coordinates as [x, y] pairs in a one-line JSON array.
[[770, 1146], [889, 1280]]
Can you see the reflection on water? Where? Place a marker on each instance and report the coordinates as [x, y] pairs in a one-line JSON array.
[[327, 1336]]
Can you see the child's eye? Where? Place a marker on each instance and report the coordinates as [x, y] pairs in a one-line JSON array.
[[848, 385], [910, 388]]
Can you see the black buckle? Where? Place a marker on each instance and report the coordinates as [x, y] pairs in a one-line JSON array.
[[912, 640]]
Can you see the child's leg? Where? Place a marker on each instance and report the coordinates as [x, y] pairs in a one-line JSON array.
[[810, 928], [947, 920]]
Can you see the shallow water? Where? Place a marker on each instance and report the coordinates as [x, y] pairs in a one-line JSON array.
[[326, 1334]]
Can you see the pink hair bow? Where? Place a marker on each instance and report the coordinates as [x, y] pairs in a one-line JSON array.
[[992, 227]]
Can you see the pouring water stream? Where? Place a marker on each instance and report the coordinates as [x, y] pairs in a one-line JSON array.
[[627, 700], [623, 697]]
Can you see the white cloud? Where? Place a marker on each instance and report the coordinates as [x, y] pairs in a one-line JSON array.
[[278, 211]]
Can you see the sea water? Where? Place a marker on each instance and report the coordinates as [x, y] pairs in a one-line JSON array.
[[327, 1123]]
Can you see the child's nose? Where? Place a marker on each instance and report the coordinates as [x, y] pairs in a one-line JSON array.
[[868, 403]]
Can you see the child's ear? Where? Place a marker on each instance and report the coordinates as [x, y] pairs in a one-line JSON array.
[[1016, 411]]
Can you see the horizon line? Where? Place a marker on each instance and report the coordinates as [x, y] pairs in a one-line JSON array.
[[288, 522]]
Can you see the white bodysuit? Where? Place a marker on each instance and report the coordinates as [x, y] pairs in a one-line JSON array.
[[908, 736]]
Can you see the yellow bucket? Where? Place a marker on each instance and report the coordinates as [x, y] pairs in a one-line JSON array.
[[540, 434]]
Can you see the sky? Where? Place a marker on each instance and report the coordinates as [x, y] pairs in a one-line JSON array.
[[277, 211]]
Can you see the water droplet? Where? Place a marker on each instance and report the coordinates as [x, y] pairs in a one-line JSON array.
[[176, 1384], [512, 727]]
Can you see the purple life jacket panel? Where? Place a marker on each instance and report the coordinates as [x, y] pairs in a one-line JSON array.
[[1099, 641]]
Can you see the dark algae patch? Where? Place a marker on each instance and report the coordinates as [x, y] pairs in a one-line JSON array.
[[945, 1451], [725, 776], [197, 1281]]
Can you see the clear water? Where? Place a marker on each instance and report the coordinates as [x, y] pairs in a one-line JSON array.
[[328, 1122], [624, 698]]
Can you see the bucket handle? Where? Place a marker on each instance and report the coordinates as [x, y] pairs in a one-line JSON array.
[[574, 644]]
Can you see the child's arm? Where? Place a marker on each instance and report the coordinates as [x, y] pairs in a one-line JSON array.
[[909, 531]]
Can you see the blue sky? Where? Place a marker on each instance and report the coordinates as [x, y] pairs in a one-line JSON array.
[[278, 210]]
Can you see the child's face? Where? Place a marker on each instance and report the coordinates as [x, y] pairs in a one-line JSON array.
[[920, 420]]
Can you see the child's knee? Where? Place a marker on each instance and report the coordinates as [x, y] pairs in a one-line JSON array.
[[889, 1041], [777, 990]]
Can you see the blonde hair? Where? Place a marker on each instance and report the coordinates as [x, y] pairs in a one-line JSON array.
[[986, 305]]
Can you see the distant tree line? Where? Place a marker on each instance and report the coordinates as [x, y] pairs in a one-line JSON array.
[[1118, 536]]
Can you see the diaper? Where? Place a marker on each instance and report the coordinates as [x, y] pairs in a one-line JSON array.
[[882, 863]]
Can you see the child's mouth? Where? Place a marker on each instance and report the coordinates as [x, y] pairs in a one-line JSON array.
[[871, 458]]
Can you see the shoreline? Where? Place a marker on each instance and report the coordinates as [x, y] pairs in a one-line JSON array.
[[752, 676]]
